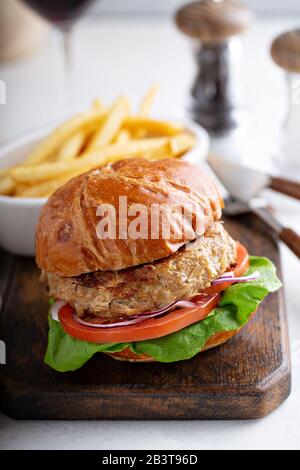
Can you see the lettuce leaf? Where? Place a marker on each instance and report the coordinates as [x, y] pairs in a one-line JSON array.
[[65, 353]]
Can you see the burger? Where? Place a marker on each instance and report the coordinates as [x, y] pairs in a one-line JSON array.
[[139, 266]]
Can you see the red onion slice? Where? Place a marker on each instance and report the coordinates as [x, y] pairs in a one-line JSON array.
[[115, 324], [251, 277], [55, 308], [146, 315], [229, 274]]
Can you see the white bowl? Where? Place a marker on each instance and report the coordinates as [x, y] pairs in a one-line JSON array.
[[18, 216], [199, 153]]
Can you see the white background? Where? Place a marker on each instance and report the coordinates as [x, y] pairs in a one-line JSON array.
[[113, 55], [265, 6]]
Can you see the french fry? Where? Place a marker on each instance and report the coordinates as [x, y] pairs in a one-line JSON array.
[[71, 148], [20, 188], [147, 101], [3, 172], [152, 126], [111, 126], [45, 188], [122, 137], [160, 153], [97, 104], [92, 139], [174, 148], [181, 143], [42, 172], [48, 146], [42, 189], [138, 148], [7, 185], [113, 152]]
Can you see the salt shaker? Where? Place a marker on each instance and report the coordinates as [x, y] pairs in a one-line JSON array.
[[285, 51], [215, 26]]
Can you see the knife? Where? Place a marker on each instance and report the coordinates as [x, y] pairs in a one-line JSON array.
[[259, 207], [244, 182]]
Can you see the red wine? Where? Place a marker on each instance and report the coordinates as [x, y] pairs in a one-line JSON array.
[[59, 11]]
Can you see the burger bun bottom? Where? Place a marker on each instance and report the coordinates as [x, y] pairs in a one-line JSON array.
[[214, 341]]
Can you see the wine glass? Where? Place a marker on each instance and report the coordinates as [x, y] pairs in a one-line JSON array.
[[62, 14]]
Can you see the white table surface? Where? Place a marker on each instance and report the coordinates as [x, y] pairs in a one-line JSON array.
[[125, 55]]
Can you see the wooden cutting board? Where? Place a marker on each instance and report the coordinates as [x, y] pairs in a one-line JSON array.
[[245, 378]]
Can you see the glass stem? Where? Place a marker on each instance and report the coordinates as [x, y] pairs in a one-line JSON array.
[[67, 79]]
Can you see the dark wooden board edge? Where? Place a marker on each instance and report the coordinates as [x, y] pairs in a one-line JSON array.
[[170, 405]]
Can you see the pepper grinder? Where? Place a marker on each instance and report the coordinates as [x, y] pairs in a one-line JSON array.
[[216, 94], [285, 52]]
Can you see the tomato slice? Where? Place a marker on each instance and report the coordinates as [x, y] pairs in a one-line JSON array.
[[148, 329], [241, 267], [154, 327]]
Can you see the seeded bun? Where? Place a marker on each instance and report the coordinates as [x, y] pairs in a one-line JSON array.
[[66, 235]]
